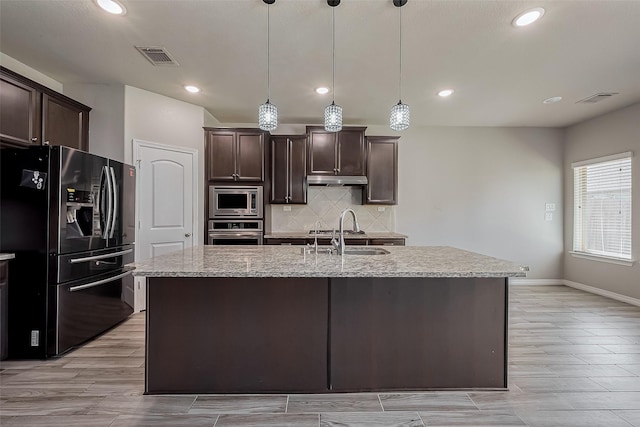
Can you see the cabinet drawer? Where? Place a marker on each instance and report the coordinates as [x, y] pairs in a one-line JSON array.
[[285, 241], [386, 242]]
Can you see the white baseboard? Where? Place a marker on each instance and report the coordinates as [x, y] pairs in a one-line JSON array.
[[598, 291], [537, 282]]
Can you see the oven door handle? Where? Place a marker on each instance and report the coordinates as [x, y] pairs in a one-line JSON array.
[[100, 282], [95, 257], [247, 235]]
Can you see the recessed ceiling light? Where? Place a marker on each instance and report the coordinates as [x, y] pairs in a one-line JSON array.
[[552, 100], [322, 90], [192, 89], [112, 6], [528, 17], [445, 92]]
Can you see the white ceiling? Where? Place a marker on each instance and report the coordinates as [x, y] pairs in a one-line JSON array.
[[501, 74]]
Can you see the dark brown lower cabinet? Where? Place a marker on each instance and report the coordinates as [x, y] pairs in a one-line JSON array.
[[236, 335], [300, 335], [417, 333]]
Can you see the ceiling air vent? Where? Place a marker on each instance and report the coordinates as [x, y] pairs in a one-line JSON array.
[[596, 98], [157, 55]]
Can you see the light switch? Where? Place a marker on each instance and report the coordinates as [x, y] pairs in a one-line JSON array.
[[286, 208], [550, 207], [381, 208], [548, 216]]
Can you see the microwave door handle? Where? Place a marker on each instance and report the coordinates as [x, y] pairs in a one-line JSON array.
[[114, 206]]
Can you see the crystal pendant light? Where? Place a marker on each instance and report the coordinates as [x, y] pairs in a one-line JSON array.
[[399, 119], [267, 112], [333, 112]]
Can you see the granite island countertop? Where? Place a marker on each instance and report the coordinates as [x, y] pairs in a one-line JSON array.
[[289, 261], [6, 256], [307, 235]]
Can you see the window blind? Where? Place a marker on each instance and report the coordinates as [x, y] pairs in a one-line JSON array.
[[602, 206]]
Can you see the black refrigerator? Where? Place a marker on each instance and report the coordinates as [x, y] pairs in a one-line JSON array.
[[68, 216]]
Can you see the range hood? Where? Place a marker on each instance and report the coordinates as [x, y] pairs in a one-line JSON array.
[[337, 180]]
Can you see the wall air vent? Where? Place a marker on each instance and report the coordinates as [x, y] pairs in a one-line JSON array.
[[157, 55], [597, 97]]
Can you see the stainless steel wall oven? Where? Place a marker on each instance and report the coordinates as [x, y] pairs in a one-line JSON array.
[[246, 232]]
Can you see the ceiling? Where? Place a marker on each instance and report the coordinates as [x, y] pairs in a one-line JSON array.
[[501, 74]]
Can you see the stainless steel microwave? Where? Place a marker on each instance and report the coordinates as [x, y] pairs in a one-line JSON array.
[[235, 202]]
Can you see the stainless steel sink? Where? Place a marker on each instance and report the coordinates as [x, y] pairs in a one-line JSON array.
[[365, 251]]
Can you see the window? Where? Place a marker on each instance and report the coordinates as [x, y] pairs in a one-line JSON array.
[[602, 206]]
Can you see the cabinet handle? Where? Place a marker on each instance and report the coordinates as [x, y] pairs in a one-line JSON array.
[[187, 234], [34, 139]]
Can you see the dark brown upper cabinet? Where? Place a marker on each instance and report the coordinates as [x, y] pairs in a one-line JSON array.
[[382, 170], [288, 169], [33, 114], [235, 154], [336, 153]]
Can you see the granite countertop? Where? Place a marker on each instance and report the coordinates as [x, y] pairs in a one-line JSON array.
[[307, 235], [4, 257], [288, 261]]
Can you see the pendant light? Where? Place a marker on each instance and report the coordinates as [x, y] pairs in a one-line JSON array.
[[267, 112], [333, 112], [399, 119]]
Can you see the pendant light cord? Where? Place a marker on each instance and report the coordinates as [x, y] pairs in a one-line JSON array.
[[333, 54], [268, 55], [400, 50]]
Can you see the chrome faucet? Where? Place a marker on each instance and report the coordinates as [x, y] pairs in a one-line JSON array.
[[339, 244]]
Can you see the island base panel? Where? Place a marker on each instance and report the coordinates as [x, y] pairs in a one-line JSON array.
[[236, 335], [417, 333]]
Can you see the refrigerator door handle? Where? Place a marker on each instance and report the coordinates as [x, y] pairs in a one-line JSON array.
[[109, 203], [99, 282], [104, 222], [114, 211], [97, 257]]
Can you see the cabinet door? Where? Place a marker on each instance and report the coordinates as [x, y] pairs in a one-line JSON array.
[[279, 169], [64, 123], [298, 169], [221, 156], [19, 112], [249, 156], [382, 171], [351, 152], [322, 153]]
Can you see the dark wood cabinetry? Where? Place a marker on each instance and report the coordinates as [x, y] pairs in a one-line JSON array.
[[235, 154], [336, 153], [326, 242], [382, 170], [288, 169], [33, 114]]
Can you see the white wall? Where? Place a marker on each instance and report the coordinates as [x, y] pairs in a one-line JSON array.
[[30, 73], [156, 118], [484, 190], [106, 119], [611, 133]]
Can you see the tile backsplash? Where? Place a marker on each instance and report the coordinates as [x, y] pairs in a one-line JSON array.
[[326, 204]]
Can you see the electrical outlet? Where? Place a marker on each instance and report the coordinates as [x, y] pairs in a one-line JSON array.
[[381, 208], [286, 208], [548, 216]]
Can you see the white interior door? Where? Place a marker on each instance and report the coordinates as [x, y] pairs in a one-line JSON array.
[[166, 201]]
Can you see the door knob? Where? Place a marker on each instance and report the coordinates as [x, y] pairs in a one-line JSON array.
[[187, 234]]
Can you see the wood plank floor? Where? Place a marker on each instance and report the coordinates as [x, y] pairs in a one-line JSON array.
[[574, 360]]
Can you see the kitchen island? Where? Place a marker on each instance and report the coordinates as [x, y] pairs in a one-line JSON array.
[[251, 319]]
